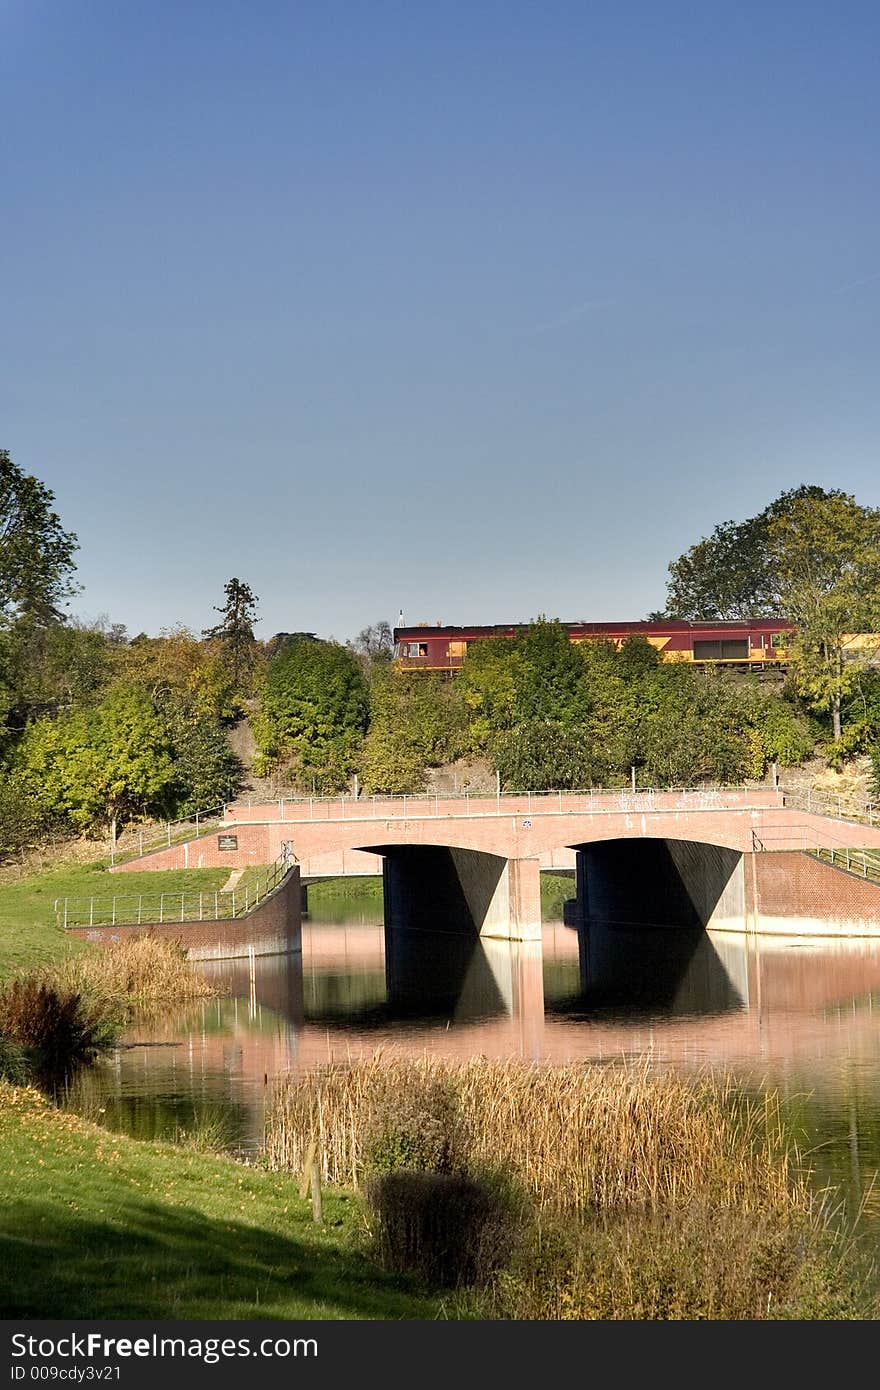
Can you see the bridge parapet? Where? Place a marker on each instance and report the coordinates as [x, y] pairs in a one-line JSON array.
[[466, 804]]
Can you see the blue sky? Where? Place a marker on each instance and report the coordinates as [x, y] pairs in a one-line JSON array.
[[477, 310]]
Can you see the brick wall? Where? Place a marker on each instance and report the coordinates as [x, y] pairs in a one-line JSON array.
[[275, 925], [792, 892]]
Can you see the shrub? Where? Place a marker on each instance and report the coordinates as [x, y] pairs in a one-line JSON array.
[[418, 1128], [701, 1261], [57, 1029], [447, 1230]]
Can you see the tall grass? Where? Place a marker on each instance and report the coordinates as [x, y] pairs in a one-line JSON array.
[[576, 1137], [144, 970], [618, 1192]]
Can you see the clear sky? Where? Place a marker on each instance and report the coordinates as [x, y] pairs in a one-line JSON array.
[[479, 310]]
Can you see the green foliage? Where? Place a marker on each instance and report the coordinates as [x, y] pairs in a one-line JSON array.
[[418, 720], [734, 572], [537, 676], [13, 1062], [56, 665], [24, 814], [827, 553], [615, 709], [99, 766], [543, 754], [36, 553], [235, 632], [207, 772], [314, 713]]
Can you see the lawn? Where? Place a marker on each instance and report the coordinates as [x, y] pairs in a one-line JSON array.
[[95, 1225], [29, 935]]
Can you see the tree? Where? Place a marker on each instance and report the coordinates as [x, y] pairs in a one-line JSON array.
[[417, 720], [206, 771], [544, 754], [99, 766], [36, 553], [734, 572], [313, 716], [236, 630], [374, 644], [826, 554]]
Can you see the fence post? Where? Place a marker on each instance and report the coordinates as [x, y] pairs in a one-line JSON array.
[[169, 834], [233, 902], [216, 908], [113, 912], [140, 844], [65, 914], [161, 907], [197, 824]]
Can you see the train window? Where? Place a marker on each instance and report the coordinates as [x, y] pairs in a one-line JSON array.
[[457, 648], [779, 640], [418, 649], [730, 649]]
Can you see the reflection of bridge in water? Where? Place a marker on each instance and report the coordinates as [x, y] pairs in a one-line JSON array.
[[736, 1001], [731, 991]]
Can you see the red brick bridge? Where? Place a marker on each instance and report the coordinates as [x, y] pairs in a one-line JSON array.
[[671, 857]]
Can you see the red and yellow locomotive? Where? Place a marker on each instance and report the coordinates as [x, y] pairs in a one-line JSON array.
[[752, 644]]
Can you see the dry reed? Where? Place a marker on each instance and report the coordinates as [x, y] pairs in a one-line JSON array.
[[144, 970], [578, 1137]]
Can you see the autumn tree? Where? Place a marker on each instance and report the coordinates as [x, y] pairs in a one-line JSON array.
[[826, 554], [734, 573]]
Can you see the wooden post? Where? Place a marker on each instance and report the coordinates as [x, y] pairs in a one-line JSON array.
[[306, 1178], [317, 1209]]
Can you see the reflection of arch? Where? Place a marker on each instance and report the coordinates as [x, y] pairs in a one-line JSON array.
[[643, 907]]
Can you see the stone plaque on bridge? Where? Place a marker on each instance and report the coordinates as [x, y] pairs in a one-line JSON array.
[[227, 842]]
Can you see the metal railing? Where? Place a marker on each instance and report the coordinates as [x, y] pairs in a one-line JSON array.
[[856, 861], [136, 843], [136, 909], [830, 804]]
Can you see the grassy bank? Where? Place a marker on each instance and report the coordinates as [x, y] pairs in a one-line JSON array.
[[29, 934], [96, 1225]]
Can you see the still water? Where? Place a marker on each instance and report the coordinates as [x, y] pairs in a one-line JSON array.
[[794, 1014]]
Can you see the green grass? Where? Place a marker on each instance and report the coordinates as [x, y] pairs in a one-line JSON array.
[[96, 1225], [363, 886], [29, 936], [555, 888]]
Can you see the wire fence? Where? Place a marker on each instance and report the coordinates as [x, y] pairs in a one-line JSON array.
[[157, 909]]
